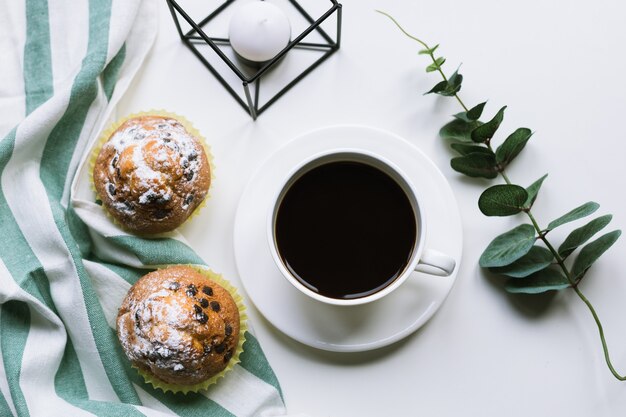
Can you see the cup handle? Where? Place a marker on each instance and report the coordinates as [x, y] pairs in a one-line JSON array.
[[433, 262]]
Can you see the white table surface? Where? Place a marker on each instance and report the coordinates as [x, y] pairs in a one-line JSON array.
[[559, 67]]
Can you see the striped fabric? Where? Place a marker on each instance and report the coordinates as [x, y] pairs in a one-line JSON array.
[[64, 268]]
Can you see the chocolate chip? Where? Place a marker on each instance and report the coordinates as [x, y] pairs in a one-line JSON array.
[[228, 355], [114, 161], [156, 199], [215, 306], [188, 199], [129, 206], [174, 286], [201, 317], [184, 163], [228, 329], [191, 290], [207, 349], [162, 126], [150, 197], [204, 302], [220, 348], [189, 175], [118, 173], [161, 213], [111, 189], [192, 156], [207, 290], [197, 309], [137, 318]]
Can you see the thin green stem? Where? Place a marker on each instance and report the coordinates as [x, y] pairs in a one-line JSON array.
[[461, 103], [404, 31], [601, 331], [430, 53], [540, 233]]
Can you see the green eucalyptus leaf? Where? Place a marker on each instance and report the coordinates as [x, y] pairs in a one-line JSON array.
[[428, 51], [502, 200], [448, 88], [536, 259], [477, 165], [466, 149], [454, 84], [472, 114], [591, 252], [545, 280], [475, 112], [512, 146], [582, 235], [486, 131], [533, 190], [436, 65], [508, 247], [578, 213], [460, 130], [438, 88]]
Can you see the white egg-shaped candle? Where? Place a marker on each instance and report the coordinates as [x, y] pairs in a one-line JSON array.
[[258, 31]]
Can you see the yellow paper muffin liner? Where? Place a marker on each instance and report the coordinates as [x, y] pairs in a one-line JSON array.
[[235, 359], [108, 132]]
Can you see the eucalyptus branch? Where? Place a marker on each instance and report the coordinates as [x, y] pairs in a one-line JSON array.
[[527, 267]]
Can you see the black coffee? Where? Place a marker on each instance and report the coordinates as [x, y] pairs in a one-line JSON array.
[[345, 229]]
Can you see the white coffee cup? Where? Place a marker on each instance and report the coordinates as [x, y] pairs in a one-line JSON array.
[[422, 259]]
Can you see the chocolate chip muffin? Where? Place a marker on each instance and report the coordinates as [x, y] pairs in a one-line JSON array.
[[178, 326], [151, 174]]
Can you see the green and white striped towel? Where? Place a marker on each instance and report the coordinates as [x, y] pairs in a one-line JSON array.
[[64, 268]]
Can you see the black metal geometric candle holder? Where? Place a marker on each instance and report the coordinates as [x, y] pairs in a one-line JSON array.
[[197, 35]]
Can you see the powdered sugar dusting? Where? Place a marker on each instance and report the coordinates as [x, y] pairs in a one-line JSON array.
[[159, 333], [153, 155]]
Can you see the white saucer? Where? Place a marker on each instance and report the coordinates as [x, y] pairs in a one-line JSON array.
[[339, 328]]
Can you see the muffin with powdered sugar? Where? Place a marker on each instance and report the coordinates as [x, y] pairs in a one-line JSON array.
[[179, 327], [151, 174]]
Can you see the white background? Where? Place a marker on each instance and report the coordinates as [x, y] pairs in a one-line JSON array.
[[560, 67]]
